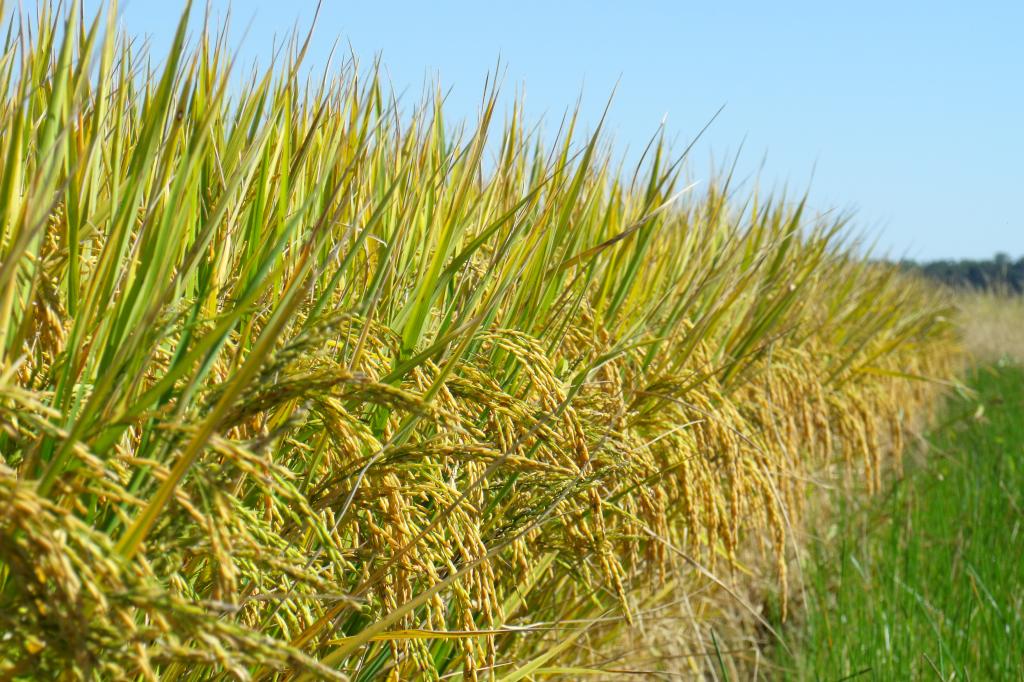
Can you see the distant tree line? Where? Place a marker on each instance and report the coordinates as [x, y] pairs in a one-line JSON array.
[[1000, 273]]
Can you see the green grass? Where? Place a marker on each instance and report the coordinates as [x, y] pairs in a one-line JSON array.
[[927, 582]]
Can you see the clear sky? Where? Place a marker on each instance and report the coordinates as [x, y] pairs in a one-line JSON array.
[[909, 113]]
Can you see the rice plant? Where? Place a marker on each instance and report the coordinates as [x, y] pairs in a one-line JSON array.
[[298, 383]]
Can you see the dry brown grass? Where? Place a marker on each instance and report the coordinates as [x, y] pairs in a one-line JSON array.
[[993, 325]]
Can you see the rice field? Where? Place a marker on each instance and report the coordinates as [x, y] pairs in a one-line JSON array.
[[298, 382], [992, 324]]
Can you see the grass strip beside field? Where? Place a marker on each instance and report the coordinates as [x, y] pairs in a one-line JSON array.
[[927, 581]]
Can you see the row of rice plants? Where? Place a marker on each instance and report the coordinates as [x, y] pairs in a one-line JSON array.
[[297, 382]]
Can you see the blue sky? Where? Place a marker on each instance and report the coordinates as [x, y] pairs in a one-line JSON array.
[[911, 114]]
